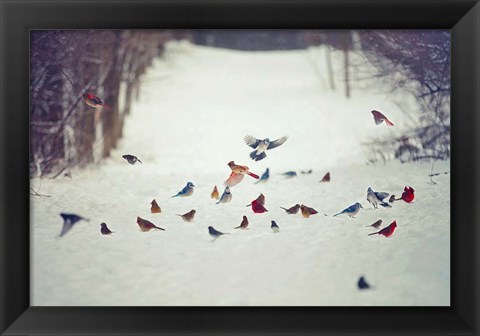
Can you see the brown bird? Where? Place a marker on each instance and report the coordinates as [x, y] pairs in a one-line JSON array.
[[104, 229], [392, 199], [293, 210], [376, 225], [238, 172], [155, 208], [326, 178], [259, 200], [188, 217], [244, 224], [215, 194], [92, 100], [386, 231], [307, 211], [146, 225]]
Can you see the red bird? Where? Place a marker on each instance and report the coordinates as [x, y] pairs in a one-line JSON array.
[[379, 118], [387, 231], [92, 100], [408, 194], [257, 207], [237, 174]]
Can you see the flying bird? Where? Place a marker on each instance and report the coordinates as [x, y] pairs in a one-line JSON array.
[[104, 229], [214, 233], [132, 159], [215, 193], [265, 176], [386, 231], [307, 211], [68, 221], [226, 196], [188, 217], [293, 210], [376, 225], [290, 174], [243, 224], [257, 207], [146, 225], [326, 178], [92, 100], [261, 146], [155, 208], [275, 227], [379, 118], [186, 191], [362, 283], [375, 198], [237, 174], [351, 211]]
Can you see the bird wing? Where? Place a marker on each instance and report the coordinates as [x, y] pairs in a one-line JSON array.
[[251, 141], [67, 225], [277, 142], [381, 195], [351, 208], [234, 179]]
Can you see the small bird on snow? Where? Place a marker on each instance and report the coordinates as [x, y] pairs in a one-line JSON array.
[[132, 159], [104, 229], [260, 200], [375, 198], [362, 283], [265, 176], [226, 196], [307, 211], [146, 225], [261, 146], [155, 208], [386, 231], [293, 210], [290, 174], [238, 172], [214, 233], [326, 178], [379, 118], [257, 207], [352, 210], [408, 195], [186, 191], [68, 221], [215, 193], [243, 224], [275, 227], [188, 217], [376, 225]]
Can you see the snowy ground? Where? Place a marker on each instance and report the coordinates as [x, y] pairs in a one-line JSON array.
[[194, 110]]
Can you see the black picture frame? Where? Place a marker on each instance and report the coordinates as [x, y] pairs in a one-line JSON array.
[[17, 17]]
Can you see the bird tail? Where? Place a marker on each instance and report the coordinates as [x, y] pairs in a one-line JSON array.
[[388, 122], [371, 234], [159, 228], [385, 205], [175, 195], [253, 175], [283, 208], [238, 227], [139, 161], [337, 214]]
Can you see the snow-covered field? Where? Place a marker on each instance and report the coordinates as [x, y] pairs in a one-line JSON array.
[[195, 108]]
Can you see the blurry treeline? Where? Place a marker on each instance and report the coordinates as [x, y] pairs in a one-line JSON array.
[[64, 131], [415, 61]]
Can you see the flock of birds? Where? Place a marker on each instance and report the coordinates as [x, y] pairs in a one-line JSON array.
[[237, 174]]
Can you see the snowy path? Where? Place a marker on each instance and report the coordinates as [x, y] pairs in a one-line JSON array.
[[194, 111]]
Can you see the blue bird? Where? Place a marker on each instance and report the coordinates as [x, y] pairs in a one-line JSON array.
[[261, 146], [226, 196], [68, 221], [186, 191], [275, 227], [352, 210], [376, 198], [265, 176], [214, 233], [290, 174], [362, 283]]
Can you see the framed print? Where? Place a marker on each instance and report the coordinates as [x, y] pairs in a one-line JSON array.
[[183, 168]]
